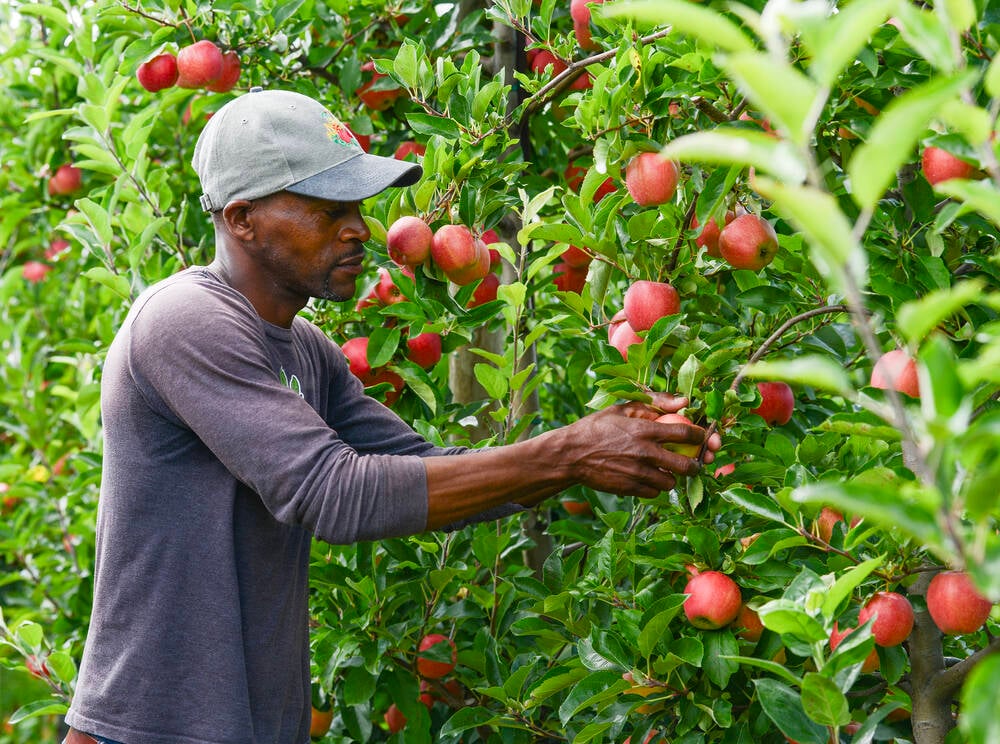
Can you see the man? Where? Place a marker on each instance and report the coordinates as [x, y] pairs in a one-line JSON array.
[[234, 433]]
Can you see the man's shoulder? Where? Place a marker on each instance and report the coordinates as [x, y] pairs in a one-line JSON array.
[[190, 290]]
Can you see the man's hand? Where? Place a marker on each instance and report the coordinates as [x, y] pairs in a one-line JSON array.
[[621, 449]]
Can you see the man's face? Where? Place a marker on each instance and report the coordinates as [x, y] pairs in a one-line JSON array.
[[310, 247]]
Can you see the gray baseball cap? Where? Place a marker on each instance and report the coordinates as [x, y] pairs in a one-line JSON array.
[[267, 141]]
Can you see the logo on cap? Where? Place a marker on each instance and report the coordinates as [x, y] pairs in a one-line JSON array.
[[338, 132]]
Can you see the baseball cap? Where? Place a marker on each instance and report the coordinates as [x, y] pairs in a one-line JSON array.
[[267, 141]]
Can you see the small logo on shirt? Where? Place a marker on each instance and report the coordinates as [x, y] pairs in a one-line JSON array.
[[292, 383]]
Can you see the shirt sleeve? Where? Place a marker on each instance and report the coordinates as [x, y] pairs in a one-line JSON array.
[[198, 354]]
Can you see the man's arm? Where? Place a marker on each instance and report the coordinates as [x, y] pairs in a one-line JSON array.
[[619, 450]]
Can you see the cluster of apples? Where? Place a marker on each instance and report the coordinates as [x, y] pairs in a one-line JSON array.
[[198, 65], [431, 670]]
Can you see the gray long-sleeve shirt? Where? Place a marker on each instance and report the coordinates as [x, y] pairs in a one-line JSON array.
[[229, 443]]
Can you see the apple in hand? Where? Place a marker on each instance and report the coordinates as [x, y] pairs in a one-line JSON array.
[[431, 668], [776, 402], [940, 165], [895, 369], [714, 600], [688, 450], [646, 302], [893, 615], [66, 180], [651, 179], [408, 241], [199, 64], [748, 242], [158, 73], [955, 605]]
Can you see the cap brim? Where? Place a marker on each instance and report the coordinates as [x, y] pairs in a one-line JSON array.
[[358, 178]]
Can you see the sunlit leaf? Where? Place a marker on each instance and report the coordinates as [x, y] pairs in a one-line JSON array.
[[731, 146], [685, 17]]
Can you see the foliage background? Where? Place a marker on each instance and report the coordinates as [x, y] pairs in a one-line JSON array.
[[550, 610]]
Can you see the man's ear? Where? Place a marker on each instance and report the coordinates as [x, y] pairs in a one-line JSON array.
[[236, 216]]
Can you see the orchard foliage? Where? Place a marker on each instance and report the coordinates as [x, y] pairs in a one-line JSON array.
[[811, 114]]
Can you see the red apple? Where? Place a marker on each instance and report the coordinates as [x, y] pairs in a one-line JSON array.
[[543, 59], [714, 600], [776, 402], [229, 76], [955, 605], [709, 236], [871, 661], [723, 470], [56, 247], [199, 64], [940, 165], [622, 336], [424, 349], [895, 369], [485, 292], [35, 271], [386, 290], [579, 10], [376, 100], [459, 254], [577, 508], [430, 668], [408, 241], [576, 258], [395, 719], [387, 375], [356, 351], [158, 73], [66, 180], [646, 302], [893, 615], [320, 722], [826, 521], [651, 179], [688, 450], [569, 278], [748, 242], [749, 624], [365, 140], [409, 148]]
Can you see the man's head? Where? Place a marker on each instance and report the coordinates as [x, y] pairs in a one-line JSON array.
[[268, 141]]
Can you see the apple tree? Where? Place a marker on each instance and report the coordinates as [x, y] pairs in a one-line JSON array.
[[603, 151]]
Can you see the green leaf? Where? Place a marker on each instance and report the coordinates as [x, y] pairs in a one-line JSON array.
[[941, 391], [98, 219], [593, 689], [359, 686], [823, 701], [894, 507], [836, 40], [895, 134], [744, 147], [759, 75], [720, 645], [834, 250], [756, 503], [767, 665], [981, 196], [38, 708], [656, 626], [785, 617], [30, 634], [846, 584], [492, 380], [468, 718], [702, 23], [818, 371], [783, 706], [917, 318], [117, 283], [979, 720], [557, 683], [430, 125], [382, 344], [924, 31], [286, 10], [61, 665]]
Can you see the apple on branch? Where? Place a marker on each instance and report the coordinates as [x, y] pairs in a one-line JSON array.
[[748, 242], [896, 369], [777, 401], [651, 179], [645, 302], [462, 256], [940, 165], [408, 241], [199, 64], [424, 349], [893, 615], [955, 605], [229, 76], [714, 600], [66, 180], [158, 73], [432, 668]]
